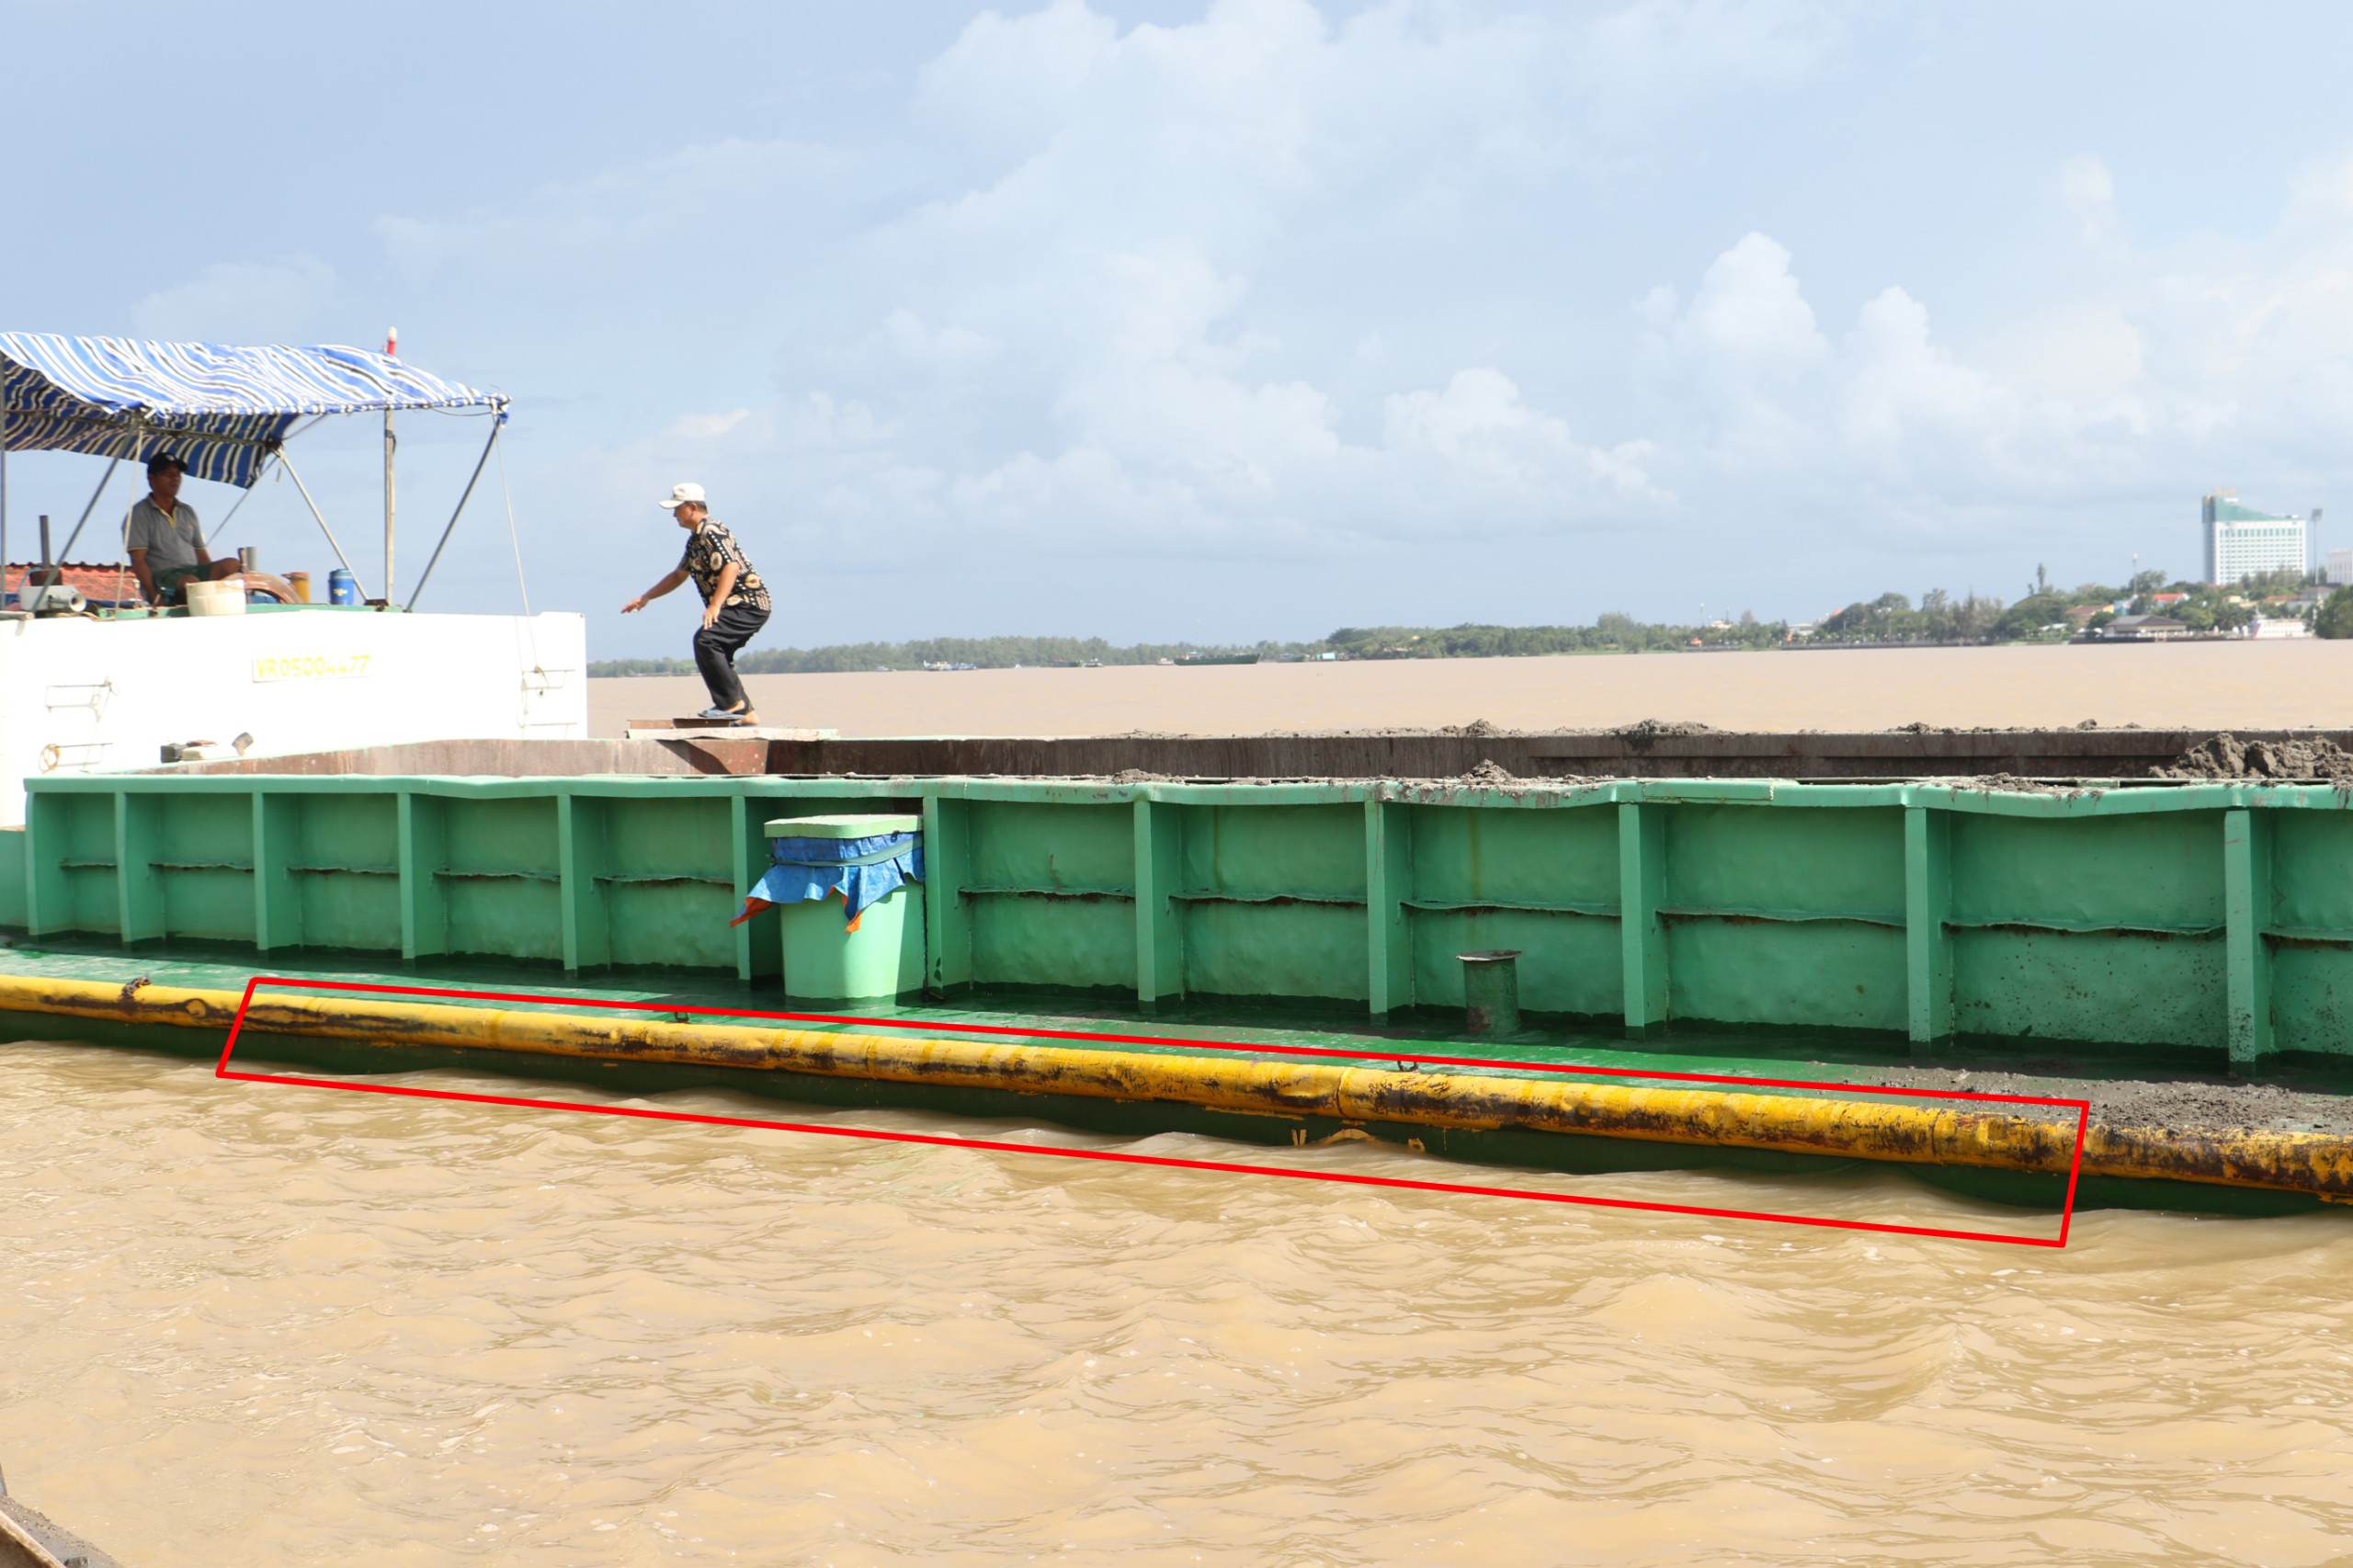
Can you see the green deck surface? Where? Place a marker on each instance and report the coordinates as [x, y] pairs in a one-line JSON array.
[[1185, 1026]]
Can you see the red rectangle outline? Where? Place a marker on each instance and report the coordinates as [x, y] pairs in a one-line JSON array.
[[2066, 1216]]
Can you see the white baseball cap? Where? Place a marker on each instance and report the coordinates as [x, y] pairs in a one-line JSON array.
[[682, 494]]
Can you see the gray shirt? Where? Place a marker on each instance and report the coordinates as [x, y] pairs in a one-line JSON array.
[[170, 540]]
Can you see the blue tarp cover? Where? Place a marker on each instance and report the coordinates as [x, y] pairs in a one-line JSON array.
[[863, 871], [221, 410]]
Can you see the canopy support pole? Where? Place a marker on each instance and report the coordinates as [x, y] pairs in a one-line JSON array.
[[496, 423], [288, 463], [245, 495], [131, 432], [390, 444], [3, 486]]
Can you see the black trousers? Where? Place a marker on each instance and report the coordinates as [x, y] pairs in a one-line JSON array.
[[715, 647]]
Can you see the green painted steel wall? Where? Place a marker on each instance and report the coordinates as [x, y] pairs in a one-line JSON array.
[[1786, 917], [341, 866], [1049, 895], [1545, 883], [2109, 928], [1273, 900], [661, 880], [12, 878], [2215, 917], [2310, 864]]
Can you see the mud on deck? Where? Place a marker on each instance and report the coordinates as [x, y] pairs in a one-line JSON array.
[[1639, 751]]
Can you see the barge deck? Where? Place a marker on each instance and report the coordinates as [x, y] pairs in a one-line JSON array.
[[2185, 950], [1638, 751]]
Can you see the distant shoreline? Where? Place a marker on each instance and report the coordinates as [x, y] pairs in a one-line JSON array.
[[2143, 610], [610, 669]]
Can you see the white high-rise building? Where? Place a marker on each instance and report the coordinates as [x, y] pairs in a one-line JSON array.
[[2241, 541], [2340, 567]]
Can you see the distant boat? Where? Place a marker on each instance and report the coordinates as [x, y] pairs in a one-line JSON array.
[[1219, 659]]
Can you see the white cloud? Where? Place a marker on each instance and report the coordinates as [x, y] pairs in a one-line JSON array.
[[2090, 194], [688, 214], [1660, 52], [943, 349], [265, 301], [1013, 81], [1069, 343], [2082, 353], [1749, 313], [2320, 196], [1485, 433], [2160, 378], [1744, 351], [1903, 394], [1754, 392], [1283, 284], [707, 427], [818, 421], [1071, 349]]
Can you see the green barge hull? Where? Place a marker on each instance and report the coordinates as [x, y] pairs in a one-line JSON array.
[[1738, 927]]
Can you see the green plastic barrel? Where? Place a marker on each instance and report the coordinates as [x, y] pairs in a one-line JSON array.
[[883, 958]]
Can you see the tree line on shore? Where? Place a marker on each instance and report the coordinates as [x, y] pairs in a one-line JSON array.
[[1891, 617], [2047, 612]]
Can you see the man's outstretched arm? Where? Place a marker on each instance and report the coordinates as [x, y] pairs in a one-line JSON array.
[[677, 575]]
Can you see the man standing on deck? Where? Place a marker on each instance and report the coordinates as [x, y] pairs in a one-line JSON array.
[[167, 542], [734, 600]]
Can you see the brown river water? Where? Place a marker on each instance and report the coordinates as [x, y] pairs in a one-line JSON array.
[[2287, 683], [263, 1324]]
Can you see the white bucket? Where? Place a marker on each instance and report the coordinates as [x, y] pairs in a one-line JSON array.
[[216, 598]]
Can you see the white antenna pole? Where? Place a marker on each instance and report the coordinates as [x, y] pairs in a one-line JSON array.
[[391, 351]]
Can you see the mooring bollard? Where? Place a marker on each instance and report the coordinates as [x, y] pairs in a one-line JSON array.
[[1490, 991]]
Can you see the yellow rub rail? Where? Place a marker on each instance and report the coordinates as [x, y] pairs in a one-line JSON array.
[[1947, 1133]]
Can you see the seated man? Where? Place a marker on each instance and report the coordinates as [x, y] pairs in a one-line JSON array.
[[166, 541]]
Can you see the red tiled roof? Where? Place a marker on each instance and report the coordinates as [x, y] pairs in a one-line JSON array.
[[103, 582]]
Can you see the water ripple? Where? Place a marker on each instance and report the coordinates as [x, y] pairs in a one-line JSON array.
[[266, 1326]]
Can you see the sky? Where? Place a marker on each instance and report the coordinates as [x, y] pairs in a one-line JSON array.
[[1223, 321]]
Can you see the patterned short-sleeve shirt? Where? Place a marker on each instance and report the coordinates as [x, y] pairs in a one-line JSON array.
[[708, 549]]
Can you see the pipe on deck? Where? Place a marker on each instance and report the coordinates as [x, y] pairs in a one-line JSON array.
[[1889, 1130]]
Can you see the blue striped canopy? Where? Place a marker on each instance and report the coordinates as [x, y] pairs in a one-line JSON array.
[[222, 411]]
